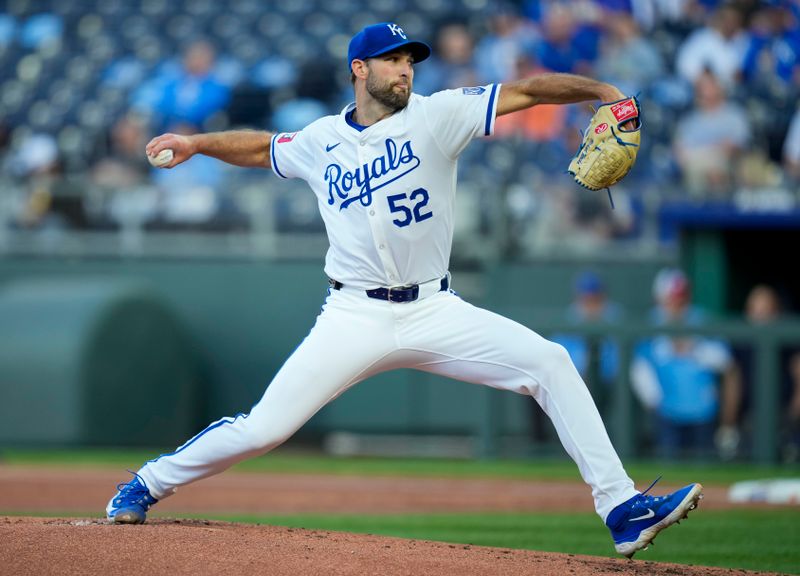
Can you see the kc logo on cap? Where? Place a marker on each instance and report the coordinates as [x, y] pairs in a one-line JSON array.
[[383, 38], [397, 30]]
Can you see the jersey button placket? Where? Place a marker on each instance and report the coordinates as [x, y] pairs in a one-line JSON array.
[[376, 223]]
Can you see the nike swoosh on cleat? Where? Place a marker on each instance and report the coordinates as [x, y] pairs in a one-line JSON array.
[[330, 147], [649, 514]]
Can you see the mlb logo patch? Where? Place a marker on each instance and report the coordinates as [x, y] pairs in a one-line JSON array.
[[476, 91], [283, 138]]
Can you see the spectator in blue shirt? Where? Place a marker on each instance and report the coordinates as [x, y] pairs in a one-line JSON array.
[[773, 54], [189, 95], [690, 384], [566, 44]]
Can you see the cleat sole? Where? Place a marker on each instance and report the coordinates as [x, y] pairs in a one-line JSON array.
[[681, 512], [128, 518]]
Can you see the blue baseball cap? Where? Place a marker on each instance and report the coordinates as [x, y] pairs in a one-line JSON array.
[[382, 38], [589, 283]]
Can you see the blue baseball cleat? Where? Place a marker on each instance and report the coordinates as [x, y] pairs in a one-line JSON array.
[[131, 503], [634, 524]]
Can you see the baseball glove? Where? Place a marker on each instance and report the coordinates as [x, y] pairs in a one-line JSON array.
[[608, 150]]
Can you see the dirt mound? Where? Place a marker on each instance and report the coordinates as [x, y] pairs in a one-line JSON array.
[[42, 546]]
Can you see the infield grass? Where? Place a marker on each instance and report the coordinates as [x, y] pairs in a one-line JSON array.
[[767, 540]]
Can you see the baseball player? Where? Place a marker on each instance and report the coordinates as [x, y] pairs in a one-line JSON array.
[[384, 174]]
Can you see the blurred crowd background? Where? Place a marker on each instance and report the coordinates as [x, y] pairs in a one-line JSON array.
[[84, 85]]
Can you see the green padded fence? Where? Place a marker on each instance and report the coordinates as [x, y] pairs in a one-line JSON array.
[[92, 361]]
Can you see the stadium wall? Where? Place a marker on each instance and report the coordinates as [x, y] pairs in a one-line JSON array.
[[233, 322]]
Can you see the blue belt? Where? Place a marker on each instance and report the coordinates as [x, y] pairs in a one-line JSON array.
[[407, 293]]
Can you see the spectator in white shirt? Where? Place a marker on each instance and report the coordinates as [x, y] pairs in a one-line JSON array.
[[719, 47], [709, 138]]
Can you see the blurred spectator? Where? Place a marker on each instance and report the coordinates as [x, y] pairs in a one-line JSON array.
[[772, 74], [677, 16], [791, 149], [45, 197], [193, 196], [763, 306], [709, 138], [451, 65], [312, 97], [541, 123], [122, 162], [673, 301], [122, 191], [691, 384], [189, 195], [718, 48], [566, 45], [772, 61], [628, 59], [509, 39], [660, 14], [189, 95], [568, 216], [596, 358]]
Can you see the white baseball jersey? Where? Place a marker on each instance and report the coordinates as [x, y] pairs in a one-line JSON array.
[[387, 191]]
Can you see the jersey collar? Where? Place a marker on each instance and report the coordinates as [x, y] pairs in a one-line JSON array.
[[348, 117], [347, 114]]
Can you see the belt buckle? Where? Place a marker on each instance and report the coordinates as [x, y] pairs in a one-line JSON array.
[[389, 292], [403, 293]]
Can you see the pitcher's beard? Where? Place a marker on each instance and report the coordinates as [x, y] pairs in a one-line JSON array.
[[385, 94]]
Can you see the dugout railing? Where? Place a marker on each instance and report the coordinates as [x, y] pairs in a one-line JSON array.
[[766, 342]]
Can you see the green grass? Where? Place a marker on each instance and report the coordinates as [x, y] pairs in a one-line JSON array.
[[535, 469], [767, 540], [751, 539]]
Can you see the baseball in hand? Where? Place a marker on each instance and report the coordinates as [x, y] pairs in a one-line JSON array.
[[162, 159]]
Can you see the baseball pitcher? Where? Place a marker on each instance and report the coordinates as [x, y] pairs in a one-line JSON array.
[[384, 175]]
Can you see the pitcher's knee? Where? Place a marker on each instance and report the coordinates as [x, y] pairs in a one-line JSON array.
[[259, 439], [554, 359]]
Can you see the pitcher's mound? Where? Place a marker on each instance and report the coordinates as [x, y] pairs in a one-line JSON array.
[[40, 546]]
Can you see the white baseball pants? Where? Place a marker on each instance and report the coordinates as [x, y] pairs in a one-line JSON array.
[[441, 334]]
